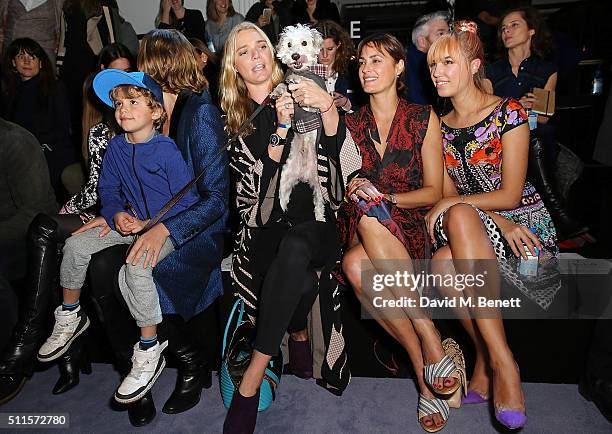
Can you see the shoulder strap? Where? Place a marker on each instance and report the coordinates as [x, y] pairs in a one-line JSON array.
[[109, 24], [61, 47], [168, 206], [240, 303]]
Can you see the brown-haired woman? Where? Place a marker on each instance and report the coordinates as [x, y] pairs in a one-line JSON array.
[[279, 248], [173, 15], [524, 66], [221, 19], [338, 54], [488, 212], [187, 282], [382, 225]]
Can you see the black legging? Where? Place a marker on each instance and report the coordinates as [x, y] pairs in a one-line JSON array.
[[290, 286]]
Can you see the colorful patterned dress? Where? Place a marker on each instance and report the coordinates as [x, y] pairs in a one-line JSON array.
[[473, 158], [400, 170]]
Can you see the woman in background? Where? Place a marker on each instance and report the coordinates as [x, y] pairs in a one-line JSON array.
[[311, 11], [338, 54], [222, 18], [527, 42], [264, 14], [173, 15], [34, 99], [113, 56]]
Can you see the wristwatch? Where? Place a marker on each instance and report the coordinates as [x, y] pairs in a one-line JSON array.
[[276, 140], [392, 199]]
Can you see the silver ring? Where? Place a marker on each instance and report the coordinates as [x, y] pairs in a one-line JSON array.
[[287, 105]]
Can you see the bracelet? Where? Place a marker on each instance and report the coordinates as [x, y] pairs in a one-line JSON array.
[[344, 105], [328, 108], [286, 126]]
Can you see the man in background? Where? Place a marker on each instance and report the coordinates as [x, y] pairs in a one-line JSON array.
[[427, 29]]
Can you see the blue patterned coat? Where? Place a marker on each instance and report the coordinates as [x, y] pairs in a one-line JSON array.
[[189, 279]]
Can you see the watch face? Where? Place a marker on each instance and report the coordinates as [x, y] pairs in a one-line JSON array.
[[276, 140]]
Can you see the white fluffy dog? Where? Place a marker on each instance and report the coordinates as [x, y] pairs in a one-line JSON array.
[[298, 48]]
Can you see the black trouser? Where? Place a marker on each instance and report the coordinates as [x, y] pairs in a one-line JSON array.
[[290, 285], [119, 325]]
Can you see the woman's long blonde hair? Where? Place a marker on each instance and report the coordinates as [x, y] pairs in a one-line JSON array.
[[168, 57], [235, 100]]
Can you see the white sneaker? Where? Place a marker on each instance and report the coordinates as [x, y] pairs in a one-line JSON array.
[[69, 324], [146, 367]]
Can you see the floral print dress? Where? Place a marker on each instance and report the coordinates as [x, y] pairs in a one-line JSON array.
[[473, 158]]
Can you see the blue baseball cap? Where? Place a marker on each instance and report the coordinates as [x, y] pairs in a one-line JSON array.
[[108, 79]]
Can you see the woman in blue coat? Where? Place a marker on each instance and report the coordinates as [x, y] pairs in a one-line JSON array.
[[189, 279]]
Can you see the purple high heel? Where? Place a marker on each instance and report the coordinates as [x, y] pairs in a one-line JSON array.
[[473, 397], [513, 419], [510, 418]]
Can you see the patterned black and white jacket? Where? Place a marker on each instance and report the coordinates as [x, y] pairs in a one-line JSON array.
[[339, 161]]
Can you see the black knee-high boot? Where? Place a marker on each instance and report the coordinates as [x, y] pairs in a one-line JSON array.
[[566, 226], [18, 359], [193, 372]]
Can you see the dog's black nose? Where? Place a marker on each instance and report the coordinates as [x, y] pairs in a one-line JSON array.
[[295, 56]]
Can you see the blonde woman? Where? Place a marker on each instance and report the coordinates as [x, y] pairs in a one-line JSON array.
[[278, 250], [489, 213], [222, 18]]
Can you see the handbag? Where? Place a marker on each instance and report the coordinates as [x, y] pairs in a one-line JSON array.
[[236, 356]]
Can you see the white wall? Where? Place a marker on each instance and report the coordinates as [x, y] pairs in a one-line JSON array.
[[142, 13]]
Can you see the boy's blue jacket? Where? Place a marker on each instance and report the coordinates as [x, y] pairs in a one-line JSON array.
[[145, 175]]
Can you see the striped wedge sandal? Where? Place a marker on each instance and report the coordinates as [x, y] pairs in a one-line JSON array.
[[452, 365], [429, 407]]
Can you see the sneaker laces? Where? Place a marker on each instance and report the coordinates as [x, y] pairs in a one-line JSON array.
[[60, 332], [137, 368]]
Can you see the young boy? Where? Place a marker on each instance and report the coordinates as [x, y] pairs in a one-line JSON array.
[[141, 171]]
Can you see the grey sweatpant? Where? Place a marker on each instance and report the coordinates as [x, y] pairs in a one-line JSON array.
[[136, 283]]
